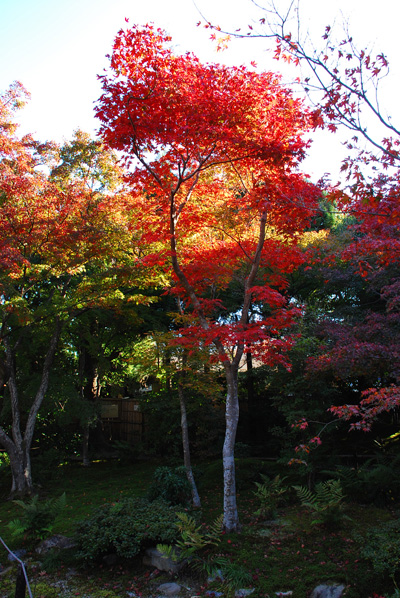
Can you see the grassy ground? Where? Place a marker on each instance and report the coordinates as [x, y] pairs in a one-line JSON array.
[[287, 554]]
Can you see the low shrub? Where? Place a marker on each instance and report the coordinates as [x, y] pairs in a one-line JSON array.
[[170, 484], [125, 528], [127, 453], [376, 482], [381, 546]]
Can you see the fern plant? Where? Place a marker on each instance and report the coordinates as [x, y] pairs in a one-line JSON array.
[[193, 539], [38, 517], [270, 494], [326, 503], [193, 544]]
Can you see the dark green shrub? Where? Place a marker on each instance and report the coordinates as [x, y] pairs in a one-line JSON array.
[[5, 469], [376, 482], [125, 528], [170, 484], [127, 452], [45, 465], [381, 547]]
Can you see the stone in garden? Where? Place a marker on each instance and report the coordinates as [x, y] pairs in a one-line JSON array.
[[325, 591], [155, 558], [57, 542], [244, 592], [110, 560], [216, 576], [20, 553], [169, 589]]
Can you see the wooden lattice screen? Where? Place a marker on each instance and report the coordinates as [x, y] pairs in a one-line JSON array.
[[122, 419]]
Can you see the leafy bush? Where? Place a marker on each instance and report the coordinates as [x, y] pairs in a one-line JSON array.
[[125, 528], [269, 493], [37, 518], [326, 503], [381, 547], [5, 469], [45, 465], [171, 485], [127, 452], [376, 482]]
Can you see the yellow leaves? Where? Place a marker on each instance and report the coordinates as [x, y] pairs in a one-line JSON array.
[[313, 238], [223, 42]]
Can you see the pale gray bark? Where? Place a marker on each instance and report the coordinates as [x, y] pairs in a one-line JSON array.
[[231, 516], [231, 365]]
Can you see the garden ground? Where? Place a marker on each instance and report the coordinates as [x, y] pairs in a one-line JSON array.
[[288, 553]]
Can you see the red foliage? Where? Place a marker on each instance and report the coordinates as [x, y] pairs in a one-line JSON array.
[[211, 151]]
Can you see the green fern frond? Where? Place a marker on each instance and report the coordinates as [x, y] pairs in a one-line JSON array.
[[306, 497]]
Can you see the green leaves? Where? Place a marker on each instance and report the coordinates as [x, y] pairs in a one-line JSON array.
[[325, 502], [125, 527], [38, 517]]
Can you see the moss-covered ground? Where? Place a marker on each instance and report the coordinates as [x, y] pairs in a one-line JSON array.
[[287, 554]]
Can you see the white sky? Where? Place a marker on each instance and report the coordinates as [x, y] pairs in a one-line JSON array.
[[57, 47]]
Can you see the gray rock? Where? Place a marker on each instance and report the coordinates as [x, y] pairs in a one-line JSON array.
[[216, 576], [20, 553], [325, 591], [110, 560], [169, 589], [56, 542], [155, 558], [244, 592]]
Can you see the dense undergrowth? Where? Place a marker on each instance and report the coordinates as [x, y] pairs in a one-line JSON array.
[[294, 547]]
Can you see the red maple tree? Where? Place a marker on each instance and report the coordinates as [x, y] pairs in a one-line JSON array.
[[211, 154]]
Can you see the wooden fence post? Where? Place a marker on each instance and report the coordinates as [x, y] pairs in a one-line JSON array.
[[20, 586]]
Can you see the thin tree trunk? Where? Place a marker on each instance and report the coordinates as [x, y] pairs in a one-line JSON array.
[[18, 445], [231, 516], [186, 449], [85, 446], [90, 392]]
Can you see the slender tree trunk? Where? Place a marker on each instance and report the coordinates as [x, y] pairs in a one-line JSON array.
[[85, 446], [18, 444], [186, 449], [231, 517], [90, 391]]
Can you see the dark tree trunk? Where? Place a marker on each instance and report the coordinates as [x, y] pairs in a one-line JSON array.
[[186, 449], [18, 443], [90, 391]]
